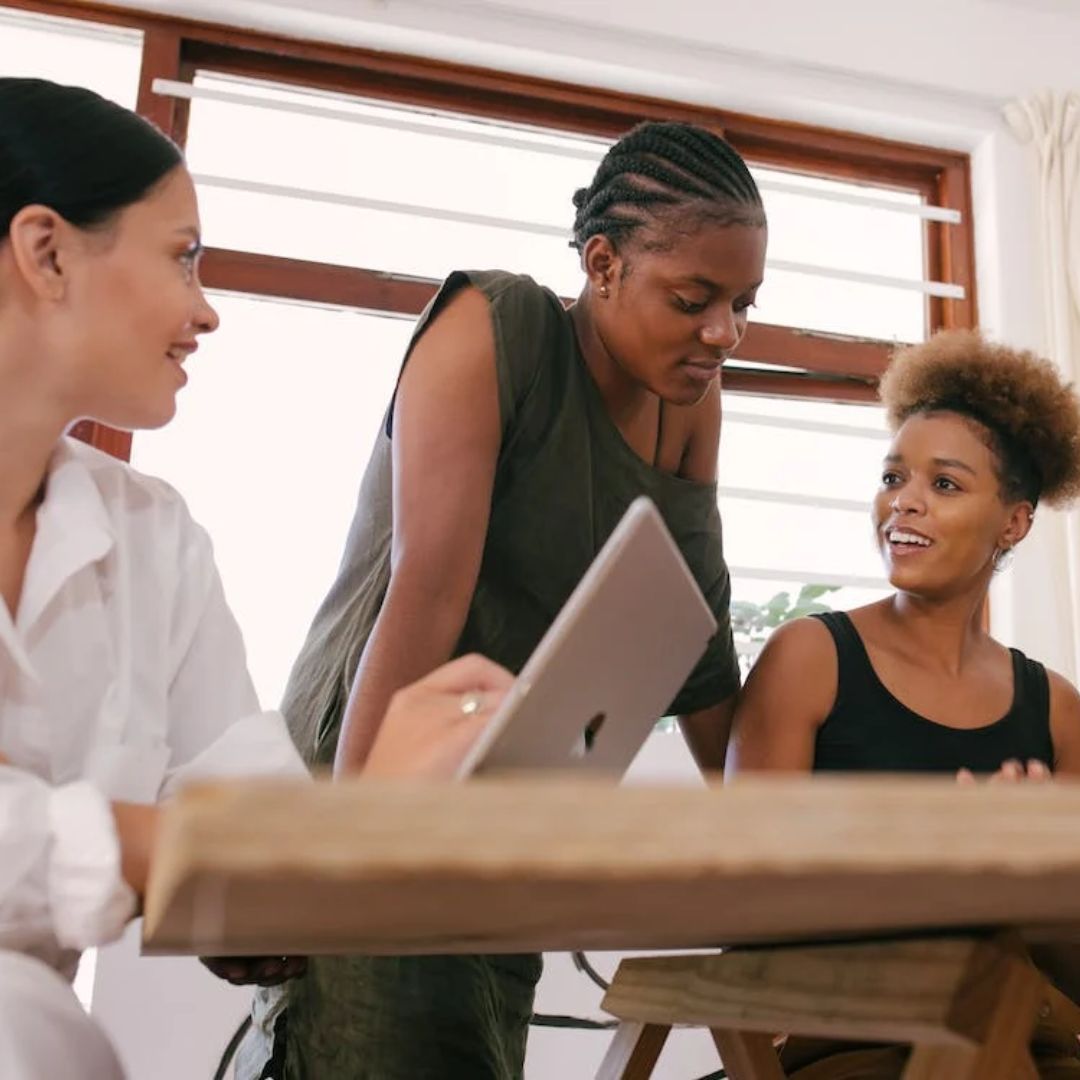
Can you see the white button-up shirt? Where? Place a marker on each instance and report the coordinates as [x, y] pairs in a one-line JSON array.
[[122, 675]]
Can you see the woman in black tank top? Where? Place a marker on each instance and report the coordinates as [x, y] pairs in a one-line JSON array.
[[870, 730], [914, 682]]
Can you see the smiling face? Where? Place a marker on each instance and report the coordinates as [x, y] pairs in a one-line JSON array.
[[670, 315], [122, 304], [939, 517]]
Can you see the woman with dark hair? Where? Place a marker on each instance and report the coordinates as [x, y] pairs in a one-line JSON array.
[[122, 669], [982, 434], [519, 434]]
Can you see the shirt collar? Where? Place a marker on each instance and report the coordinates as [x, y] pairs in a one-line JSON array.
[[74, 529]]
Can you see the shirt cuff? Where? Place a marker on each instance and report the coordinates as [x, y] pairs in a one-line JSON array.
[[256, 745], [91, 903]]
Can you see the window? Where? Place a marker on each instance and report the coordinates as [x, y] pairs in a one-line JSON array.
[[797, 523], [334, 201], [105, 59], [852, 232], [394, 190], [365, 177], [268, 447]]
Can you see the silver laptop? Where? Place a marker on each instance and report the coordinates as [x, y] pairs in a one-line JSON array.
[[610, 664]]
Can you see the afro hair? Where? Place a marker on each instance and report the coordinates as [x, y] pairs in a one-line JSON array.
[[1031, 416]]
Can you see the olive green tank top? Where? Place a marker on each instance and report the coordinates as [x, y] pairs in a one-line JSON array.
[[564, 478]]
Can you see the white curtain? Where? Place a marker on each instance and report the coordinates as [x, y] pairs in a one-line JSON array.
[[1050, 123]]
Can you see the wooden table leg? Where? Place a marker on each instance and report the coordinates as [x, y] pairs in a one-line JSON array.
[[1004, 1007], [747, 1055], [633, 1052], [962, 1063], [940, 1062]]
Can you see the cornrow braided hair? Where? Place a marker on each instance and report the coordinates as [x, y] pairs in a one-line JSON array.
[[660, 168]]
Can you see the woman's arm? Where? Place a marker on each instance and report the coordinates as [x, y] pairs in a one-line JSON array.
[[786, 698], [1061, 962], [62, 863], [447, 433], [425, 736], [1064, 725], [136, 829], [707, 732]]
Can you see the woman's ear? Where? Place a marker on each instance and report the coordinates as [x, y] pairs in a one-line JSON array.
[[602, 264], [38, 237], [1018, 525]]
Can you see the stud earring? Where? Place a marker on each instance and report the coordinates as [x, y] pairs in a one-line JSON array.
[[604, 291]]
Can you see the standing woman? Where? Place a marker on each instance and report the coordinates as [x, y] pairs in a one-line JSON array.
[[122, 670], [914, 683], [519, 434]]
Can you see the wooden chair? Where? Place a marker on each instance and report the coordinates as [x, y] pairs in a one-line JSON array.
[[968, 1004]]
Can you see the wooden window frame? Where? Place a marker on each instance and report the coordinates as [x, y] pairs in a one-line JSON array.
[[833, 367]]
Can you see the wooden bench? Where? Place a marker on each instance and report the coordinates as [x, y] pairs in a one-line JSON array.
[[968, 1005]]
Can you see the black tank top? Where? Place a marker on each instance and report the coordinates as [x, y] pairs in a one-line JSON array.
[[868, 730]]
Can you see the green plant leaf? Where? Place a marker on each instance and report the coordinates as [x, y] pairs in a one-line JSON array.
[[773, 613], [813, 592], [749, 619]]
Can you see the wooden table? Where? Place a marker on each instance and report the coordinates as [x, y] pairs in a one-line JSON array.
[[500, 866]]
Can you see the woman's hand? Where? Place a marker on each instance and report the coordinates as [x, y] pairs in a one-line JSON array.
[[429, 728], [1011, 772], [432, 724], [257, 970], [136, 827]]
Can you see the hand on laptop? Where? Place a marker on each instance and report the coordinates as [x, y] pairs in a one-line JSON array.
[[431, 725]]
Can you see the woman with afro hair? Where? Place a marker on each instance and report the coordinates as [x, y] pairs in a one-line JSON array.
[[982, 436]]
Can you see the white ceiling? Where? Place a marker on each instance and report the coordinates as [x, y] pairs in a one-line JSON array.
[[952, 54], [1062, 7]]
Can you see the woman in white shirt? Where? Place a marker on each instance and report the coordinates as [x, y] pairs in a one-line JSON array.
[[122, 671]]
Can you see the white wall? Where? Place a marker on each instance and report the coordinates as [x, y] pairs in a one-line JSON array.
[[168, 1017], [933, 71]]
